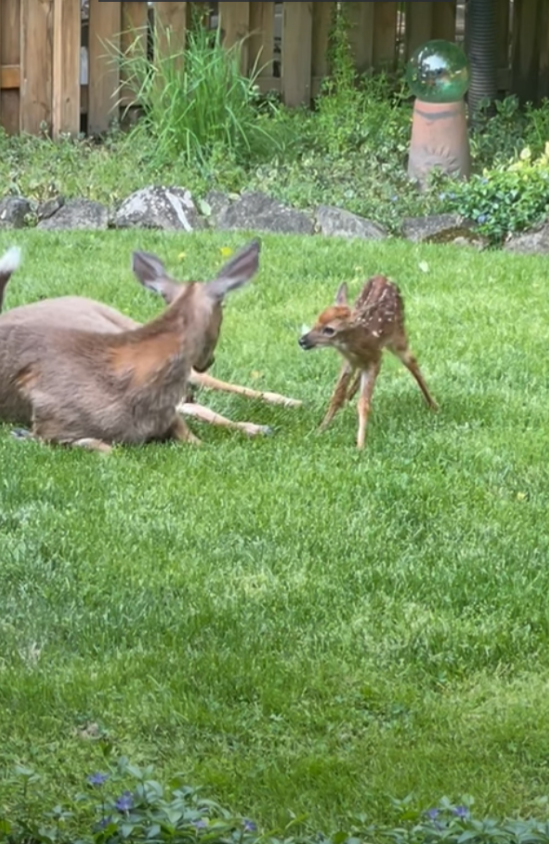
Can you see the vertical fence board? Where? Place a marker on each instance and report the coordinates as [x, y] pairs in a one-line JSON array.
[[67, 27], [503, 22], [444, 19], [361, 34], [235, 24], [10, 52], [419, 25], [133, 40], [36, 65], [261, 41], [525, 49], [172, 30], [385, 22], [543, 79], [297, 31], [105, 26], [322, 21]]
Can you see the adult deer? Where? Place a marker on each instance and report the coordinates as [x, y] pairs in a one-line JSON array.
[[360, 333], [82, 374]]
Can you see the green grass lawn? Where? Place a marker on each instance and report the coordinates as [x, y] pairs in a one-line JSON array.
[[292, 624]]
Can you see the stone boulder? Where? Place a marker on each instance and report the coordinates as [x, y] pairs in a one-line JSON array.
[[77, 214], [337, 222], [13, 212], [532, 242], [157, 207], [254, 210], [443, 228]]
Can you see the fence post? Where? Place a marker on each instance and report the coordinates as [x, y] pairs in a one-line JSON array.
[[322, 21], [235, 23], [10, 76], [36, 65], [172, 18], [261, 41], [526, 42], [385, 34], [105, 25], [67, 27], [297, 33]]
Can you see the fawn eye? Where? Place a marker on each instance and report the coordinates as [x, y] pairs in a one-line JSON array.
[[328, 331]]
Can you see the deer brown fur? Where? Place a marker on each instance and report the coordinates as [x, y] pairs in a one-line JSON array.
[[360, 334], [81, 373]]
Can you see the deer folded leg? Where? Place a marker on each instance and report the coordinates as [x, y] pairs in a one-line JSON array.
[[179, 430], [198, 411], [367, 384], [202, 379], [339, 395]]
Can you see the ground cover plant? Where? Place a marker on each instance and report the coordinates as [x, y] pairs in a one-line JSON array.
[[295, 626]]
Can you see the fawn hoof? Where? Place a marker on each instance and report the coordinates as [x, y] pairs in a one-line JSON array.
[[267, 430], [22, 434]]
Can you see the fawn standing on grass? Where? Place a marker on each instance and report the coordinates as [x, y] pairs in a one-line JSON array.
[[82, 374], [360, 334]]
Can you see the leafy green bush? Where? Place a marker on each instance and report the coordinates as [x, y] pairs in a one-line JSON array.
[[197, 99], [507, 198], [500, 137], [150, 813]]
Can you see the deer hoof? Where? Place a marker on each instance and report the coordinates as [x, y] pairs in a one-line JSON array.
[[22, 434]]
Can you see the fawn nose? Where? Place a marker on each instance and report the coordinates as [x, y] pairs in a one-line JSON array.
[[304, 342]]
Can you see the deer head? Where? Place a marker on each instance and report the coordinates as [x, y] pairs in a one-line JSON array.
[[333, 324]]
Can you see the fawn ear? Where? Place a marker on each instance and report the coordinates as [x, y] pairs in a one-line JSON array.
[[152, 274], [342, 294], [238, 271]]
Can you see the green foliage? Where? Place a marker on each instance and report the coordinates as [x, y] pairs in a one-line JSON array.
[[507, 198], [500, 137], [127, 804], [197, 99]]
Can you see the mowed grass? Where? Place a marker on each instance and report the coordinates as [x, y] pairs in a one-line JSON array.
[[294, 625]]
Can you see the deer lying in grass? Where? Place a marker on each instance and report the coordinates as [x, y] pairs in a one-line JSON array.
[[360, 333], [83, 374]]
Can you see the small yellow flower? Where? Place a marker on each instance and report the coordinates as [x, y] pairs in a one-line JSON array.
[[521, 496], [256, 374], [181, 256], [226, 251]]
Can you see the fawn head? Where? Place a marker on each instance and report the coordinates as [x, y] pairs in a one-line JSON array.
[[204, 300], [332, 324]]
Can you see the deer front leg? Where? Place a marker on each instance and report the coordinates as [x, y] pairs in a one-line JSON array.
[[198, 411], [367, 384], [339, 395], [202, 379], [354, 387]]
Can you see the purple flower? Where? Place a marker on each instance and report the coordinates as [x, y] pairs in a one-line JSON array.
[[249, 826], [461, 811], [432, 814], [97, 779], [200, 824], [125, 802]]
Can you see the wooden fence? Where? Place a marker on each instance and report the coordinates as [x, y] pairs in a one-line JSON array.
[[55, 75]]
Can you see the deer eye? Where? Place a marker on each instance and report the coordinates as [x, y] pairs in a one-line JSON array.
[[328, 331]]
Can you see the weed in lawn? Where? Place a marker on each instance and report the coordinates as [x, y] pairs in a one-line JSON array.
[[287, 622]]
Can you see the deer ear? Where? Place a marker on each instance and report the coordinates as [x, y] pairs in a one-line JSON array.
[[238, 271], [150, 271], [342, 294]]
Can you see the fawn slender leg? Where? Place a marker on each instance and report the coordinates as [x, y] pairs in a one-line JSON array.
[[354, 387], [411, 364], [367, 384], [202, 379], [197, 411], [339, 394]]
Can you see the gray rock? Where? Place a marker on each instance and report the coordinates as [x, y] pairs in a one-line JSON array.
[[259, 212], [157, 207], [77, 214], [421, 229], [532, 242], [49, 207], [217, 203], [13, 211], [337, 222]]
